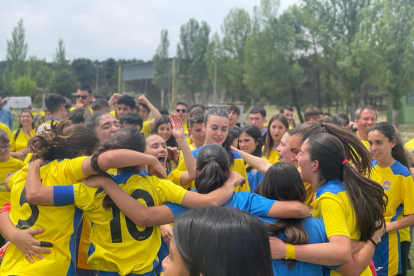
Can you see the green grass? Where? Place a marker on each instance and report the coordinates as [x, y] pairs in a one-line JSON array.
[[411, 272]]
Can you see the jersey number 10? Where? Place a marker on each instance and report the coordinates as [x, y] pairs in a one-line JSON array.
[[115, 223]]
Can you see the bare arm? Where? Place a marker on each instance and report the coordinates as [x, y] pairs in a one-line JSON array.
[[120, 159], [289, 209], [153, 109], [335, 252], [260, 164], [400, 224], [189, 160]]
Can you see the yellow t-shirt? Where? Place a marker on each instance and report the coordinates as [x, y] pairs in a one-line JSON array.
[[410, 144], [28, 158], [238, 166], [6, 129], [273, 157], [90, 109], [333, 205], [398, 185], [146, 129], [53, 219], [6, 169], [118, 245], [366, 143], [21, 142], [185, 129]]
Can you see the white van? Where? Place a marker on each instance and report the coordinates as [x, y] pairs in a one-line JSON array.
[[17, 102]]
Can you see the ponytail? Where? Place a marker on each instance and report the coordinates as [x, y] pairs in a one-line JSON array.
[[227, 146], [210, 178]]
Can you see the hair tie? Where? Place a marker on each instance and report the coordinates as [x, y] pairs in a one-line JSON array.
[[343, 162]]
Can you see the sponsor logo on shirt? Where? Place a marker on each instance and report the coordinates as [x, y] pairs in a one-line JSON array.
[[386, 185]]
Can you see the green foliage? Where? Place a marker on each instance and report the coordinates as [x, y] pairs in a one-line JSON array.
[[59, 59], [161, 63], [15, 58], [64, 82], [39, 71], [84, 70], [24, 86]]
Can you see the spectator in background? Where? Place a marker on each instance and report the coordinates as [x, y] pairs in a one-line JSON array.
[[312, 114], [131, 119], [287, 111], [143, 110], [78, 116], [68, 104], [147, 125], [257, 117], [199, 106], [83, 98], [181, 111], [195, 128], [6, 117], [327, 115], [234, 136], [55, 104], [234, 115], [100, 104], [163, 111], [124, 105], [20, 137], [365, 118], [344, 118]]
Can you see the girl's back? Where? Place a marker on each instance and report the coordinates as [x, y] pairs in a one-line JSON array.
[[61, 222]]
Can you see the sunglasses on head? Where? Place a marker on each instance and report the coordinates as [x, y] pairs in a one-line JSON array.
[[181, 110], [79, 96]]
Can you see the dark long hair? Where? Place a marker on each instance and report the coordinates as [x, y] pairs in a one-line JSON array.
[[389, 131], [62, 141], [355, 151], [283, 182], [125, 138], [269, 143], [221, 112], [165, 120], [31, 114], [367, 197], [212, 162], [255, 133], [213, 241]]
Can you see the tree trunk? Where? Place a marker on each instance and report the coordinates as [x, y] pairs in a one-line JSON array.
[[395, 117], [337, 106], [380, 101], [296, 103]]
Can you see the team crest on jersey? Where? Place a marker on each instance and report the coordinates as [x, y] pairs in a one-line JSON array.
[[7, 175], [386, 185]]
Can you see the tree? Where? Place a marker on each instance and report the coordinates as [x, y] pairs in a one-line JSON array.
[[191, 53], [59, 59], [84, 70], [385, 46], [39, 71], [16, 56], [24, 86], [64, 82], [162, 64]]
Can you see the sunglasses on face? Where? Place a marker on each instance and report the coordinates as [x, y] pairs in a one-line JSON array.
[[181, 110], [6, 147], [79, 96]]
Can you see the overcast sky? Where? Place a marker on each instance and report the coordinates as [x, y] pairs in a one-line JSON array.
[[101, 29]]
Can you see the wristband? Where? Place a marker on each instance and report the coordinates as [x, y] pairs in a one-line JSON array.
[[290, 252], [374, 243]]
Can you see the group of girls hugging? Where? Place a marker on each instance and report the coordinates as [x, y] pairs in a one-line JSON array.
[[312, 200]]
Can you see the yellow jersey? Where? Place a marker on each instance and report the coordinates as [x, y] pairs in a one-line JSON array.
[[54, 219], [398, 185], [366, 143], [6, 129], [333, 205], [117, 244], [28, 158], [146, 129], [90, 110], [20, 142], [238, 166], [6, 169]]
